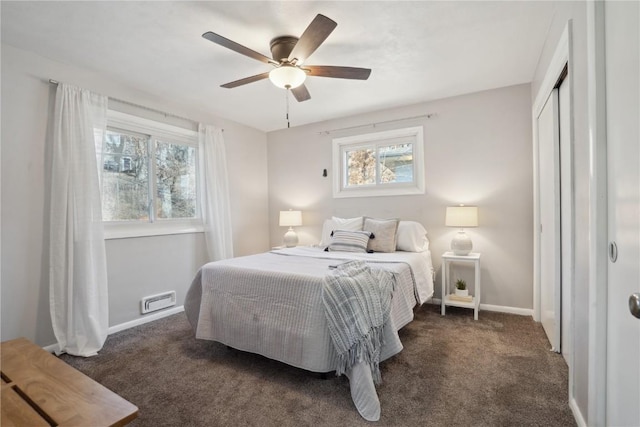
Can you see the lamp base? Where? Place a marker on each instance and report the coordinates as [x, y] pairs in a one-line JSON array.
[[461, 243], [290, 238]]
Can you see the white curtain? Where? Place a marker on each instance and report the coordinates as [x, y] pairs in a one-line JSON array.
[[214, 193], [78, 271]]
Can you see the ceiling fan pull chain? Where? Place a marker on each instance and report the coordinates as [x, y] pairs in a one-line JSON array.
[[286, 98]]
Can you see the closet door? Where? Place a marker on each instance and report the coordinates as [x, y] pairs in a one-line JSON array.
[[549, 194]]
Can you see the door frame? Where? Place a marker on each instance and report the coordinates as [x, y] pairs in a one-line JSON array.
[[562, 57], [598, 214]]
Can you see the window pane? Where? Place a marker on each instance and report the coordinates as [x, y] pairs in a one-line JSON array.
[[396, 163], [176, 180], [125, 178], [361, 167]]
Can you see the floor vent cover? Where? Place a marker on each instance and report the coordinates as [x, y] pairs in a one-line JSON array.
[[158, 302]]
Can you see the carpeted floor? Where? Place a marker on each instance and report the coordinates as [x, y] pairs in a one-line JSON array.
[[453, 371]]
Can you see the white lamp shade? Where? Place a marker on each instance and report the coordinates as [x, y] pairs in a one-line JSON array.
[[462, 216], [287, 76], [290, 218]]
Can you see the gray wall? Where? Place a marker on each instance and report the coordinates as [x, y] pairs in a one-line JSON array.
[[137, 266], [576, 11], [478, 150]]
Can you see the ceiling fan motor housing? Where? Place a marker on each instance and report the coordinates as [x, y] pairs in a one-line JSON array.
[[281, 47]]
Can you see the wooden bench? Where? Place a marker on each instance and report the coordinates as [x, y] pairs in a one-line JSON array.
[[38, 389]]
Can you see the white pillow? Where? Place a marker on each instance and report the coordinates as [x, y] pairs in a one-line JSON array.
[[335, 223], [411, 237]]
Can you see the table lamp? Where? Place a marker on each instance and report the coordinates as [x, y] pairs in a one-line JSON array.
[[461, 216], [290, 219]]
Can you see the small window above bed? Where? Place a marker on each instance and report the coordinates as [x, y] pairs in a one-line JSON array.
[[388, 163]]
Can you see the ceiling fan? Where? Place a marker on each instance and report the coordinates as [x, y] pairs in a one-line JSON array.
[[289, 54]]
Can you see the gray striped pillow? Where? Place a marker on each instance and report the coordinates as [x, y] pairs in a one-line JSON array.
[[349, 241]]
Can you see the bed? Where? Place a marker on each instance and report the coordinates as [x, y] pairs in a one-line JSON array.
[[271, 304]]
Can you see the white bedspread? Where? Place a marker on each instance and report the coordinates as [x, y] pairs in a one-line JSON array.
[[420, 263], [271, 304]]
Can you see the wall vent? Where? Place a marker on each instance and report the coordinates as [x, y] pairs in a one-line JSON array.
[[157, 302]]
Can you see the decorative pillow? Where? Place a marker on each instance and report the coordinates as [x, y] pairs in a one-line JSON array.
[[349, 241], [335, 223], [384, 234], [411, 237]]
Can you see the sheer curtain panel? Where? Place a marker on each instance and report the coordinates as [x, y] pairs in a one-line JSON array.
[[78, 270], [214, 193]]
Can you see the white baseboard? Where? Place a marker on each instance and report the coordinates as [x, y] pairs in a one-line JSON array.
[[51, 348], [145, 319], [126, 325], [507, 309], [576, 413], [498, 308]]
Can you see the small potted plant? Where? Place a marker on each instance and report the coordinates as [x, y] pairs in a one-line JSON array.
[[461, 288]]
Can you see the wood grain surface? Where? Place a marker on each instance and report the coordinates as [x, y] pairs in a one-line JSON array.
[[40, 389]]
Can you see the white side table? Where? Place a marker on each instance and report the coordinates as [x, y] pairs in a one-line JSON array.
[[447, 258]]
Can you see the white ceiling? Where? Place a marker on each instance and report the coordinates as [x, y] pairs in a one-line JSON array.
[[417, 50]]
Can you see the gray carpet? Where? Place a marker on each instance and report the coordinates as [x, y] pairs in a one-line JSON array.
[[453, 371]]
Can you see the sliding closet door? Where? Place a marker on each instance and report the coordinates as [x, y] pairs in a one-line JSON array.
[[549, 189], [566, 221]]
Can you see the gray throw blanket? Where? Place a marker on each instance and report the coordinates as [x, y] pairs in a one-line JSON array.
[[357, 303]]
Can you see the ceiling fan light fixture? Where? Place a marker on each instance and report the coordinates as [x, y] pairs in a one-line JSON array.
[[287, 76]]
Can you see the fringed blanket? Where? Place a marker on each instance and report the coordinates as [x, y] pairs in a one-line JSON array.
[[357, 303]]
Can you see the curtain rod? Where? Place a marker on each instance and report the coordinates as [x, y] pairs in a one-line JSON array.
[[328, 132], [55, 82]]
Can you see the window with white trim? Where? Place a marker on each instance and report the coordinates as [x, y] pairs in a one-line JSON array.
[[387, 163], [148, 177]]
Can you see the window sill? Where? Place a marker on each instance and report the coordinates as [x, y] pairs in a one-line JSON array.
[[133, 230], [375, 192]]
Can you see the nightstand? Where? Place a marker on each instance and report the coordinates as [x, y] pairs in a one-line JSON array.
[[447, 259]]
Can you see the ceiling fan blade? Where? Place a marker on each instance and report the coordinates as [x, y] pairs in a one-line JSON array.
[[313, 36], [338, 72], [245, 81], [236, 47], [301, 93]]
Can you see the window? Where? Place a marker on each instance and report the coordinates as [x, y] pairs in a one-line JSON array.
[[148, 178], [175, 180], [125, 176], [379, 164]]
